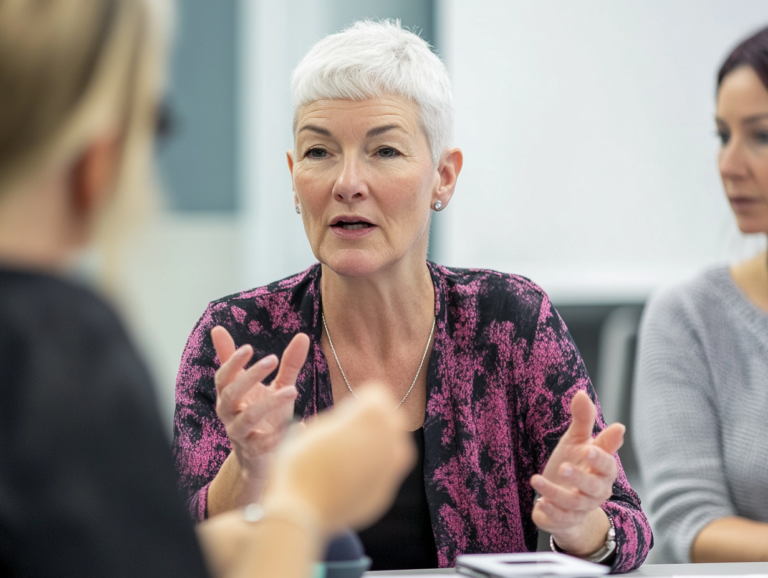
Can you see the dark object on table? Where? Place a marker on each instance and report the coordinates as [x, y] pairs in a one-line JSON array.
[[345, 558]]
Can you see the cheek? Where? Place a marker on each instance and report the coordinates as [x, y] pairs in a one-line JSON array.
[[761, 176], [406, 202], [309, 186]]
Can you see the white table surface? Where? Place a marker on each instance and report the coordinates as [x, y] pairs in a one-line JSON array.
[[645, 570]]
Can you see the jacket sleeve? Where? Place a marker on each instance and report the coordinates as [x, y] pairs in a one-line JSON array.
[[200, 442], [551, 377]]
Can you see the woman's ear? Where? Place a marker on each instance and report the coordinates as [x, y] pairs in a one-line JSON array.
[[93, 177], [448, 170]]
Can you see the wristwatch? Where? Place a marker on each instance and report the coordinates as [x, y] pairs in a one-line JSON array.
[[602, 554]]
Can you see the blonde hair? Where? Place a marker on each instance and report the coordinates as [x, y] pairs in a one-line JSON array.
[[72, 70]]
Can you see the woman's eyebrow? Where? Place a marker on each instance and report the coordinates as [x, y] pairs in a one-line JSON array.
[[754, 118], [316, 129], [381, 130]]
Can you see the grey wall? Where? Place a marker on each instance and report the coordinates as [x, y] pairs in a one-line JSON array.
[[199, 162], [416, 15]]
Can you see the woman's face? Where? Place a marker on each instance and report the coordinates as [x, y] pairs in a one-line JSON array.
[[364, 178], [742, 124]]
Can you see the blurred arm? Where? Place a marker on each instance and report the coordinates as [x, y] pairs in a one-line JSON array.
[[275, 546]]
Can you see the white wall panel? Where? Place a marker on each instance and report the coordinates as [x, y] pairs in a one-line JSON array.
[[588, 135]]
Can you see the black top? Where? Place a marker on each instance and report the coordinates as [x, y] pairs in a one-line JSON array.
[[87, 486], [403, 538]]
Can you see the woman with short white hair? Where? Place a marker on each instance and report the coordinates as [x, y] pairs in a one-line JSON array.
[[484, 370]]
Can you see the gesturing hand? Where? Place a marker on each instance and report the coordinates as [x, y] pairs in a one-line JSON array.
[[578, 478], [346, 467], [255, 415]]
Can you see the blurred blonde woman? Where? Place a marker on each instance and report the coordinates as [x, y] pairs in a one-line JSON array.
[[87, 486]]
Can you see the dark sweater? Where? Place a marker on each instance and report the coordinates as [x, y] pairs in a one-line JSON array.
[[87, 486]]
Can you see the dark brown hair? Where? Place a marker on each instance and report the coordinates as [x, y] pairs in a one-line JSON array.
[[752, 52]]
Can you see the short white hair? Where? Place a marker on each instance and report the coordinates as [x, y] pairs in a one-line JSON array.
[[370, 59]]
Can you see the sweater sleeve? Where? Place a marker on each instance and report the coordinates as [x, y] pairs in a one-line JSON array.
[[676, 427], [200, 442], [557, 373]]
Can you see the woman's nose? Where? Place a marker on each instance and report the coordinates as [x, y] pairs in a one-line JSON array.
[[732, 162], [350, 186]]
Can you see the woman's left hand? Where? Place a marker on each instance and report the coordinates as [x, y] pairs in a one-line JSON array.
[[577, 479]]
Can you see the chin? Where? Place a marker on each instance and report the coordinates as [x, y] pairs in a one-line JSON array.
[[353, 263], [753, 225]]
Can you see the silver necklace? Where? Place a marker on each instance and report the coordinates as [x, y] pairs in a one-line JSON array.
[[343, 375]]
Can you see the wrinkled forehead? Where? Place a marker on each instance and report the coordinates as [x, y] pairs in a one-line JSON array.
[[359, 116]]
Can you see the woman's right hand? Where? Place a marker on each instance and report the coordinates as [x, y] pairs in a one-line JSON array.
[[346, 467], [255, 415], [342, 471]]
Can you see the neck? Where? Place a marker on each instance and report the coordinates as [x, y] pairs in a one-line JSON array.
[[752, 278], [36, 231], [391, 306]]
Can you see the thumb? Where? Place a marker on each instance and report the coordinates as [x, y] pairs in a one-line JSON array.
[[222, 343], [583, 412]]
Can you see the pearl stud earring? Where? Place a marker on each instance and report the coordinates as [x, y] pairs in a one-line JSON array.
[[438, 205]]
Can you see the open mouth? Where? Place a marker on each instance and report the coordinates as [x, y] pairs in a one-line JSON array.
[[352, 225]]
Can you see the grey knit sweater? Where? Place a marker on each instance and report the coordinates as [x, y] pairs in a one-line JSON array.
[[700, 409]]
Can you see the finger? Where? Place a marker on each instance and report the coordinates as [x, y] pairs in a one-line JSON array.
[[230, 369], [293, 360], [569, 499], [275, 404], [595, 486], [611, 438], [222, 343], [583, 412], [601, 462], [233, 395]]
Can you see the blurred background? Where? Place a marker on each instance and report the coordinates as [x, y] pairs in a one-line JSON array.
[[588, 135]]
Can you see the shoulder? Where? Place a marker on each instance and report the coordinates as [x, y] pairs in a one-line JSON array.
[[46, 309], [490, 283], [506, 292], [693, 304], [284, 289], [490, 301], [63, 346], [273, 311]]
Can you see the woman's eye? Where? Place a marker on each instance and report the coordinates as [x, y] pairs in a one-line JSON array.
[[761, 137], [316, 153], [388, 152], [723, 136]]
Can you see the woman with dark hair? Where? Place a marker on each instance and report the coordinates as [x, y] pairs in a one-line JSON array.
[[701, 393]]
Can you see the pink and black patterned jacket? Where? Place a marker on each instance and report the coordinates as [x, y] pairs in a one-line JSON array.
[[499, 384]]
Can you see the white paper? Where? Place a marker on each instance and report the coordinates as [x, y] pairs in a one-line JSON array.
[[720, 576]]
